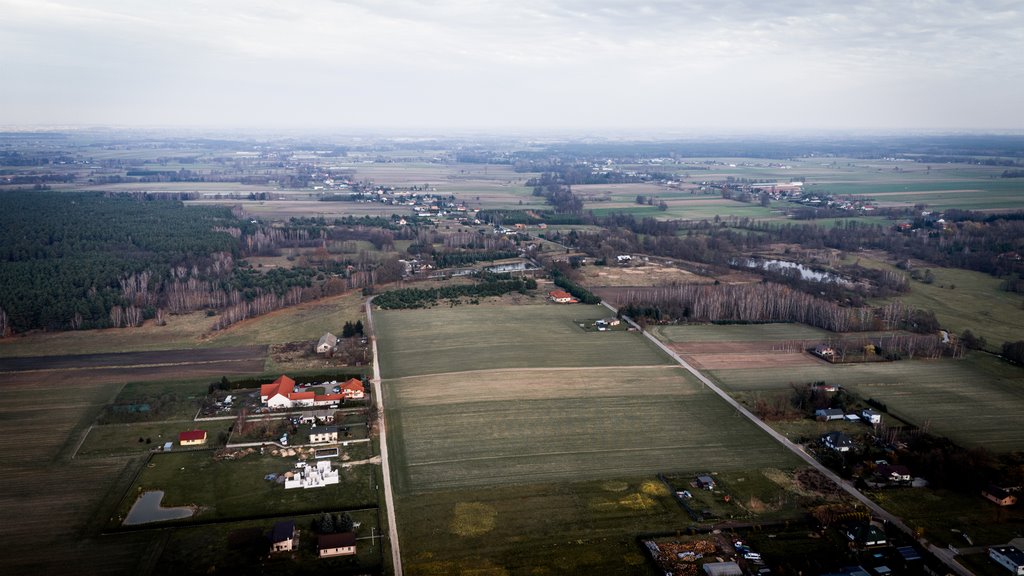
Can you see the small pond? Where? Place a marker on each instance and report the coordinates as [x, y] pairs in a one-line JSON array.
[[783, 266], [147, 509]]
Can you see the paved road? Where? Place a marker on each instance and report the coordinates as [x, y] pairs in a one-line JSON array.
[[945, 556], [389, 498]]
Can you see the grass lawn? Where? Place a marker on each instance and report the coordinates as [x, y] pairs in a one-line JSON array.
[[123, 439], [439, 340], [236, 489]]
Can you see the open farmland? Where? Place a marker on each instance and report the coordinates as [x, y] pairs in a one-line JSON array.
[[439, 340], [514, 430], [500, 427]]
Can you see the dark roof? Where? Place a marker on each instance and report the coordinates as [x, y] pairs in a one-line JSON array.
[[340, 540], [996, 491], [282, 531], [837, 439], [324, 430]]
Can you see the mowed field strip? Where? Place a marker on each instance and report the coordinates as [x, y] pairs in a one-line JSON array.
[[967, 400], [538, 399]]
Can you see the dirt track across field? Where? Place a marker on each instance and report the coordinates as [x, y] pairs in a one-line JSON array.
[[153, 365]]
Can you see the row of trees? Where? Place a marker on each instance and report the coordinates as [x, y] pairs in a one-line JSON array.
[[767, 302], [423, 297]]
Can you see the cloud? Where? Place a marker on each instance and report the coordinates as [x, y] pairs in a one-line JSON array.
[[556, 62]]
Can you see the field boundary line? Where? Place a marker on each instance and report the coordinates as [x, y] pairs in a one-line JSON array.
[[945, 556], [389, 498], [538, 369]]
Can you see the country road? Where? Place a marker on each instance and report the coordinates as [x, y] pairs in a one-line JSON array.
[[945, 556], [389, 499]]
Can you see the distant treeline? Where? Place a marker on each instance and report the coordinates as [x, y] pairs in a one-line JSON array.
[[453, 259]]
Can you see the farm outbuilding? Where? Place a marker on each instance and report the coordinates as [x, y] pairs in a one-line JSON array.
[[327, 343], [192, 438], [343, 544], [827, 414], [705, 482]]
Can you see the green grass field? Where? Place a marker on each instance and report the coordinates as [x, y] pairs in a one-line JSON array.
[[525, 442], [463, 338], [123, 439]]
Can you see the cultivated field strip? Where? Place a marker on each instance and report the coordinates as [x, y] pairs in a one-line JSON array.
[[441, 340]]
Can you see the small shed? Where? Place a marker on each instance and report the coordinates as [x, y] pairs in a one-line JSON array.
[[192, 438], [705, 482]]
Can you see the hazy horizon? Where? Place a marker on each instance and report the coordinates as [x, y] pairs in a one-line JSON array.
[[584, 67]]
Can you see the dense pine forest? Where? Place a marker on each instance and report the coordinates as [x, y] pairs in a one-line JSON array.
[[66, 259]]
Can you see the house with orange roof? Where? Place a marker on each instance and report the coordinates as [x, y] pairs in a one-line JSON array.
[[561, 297], [282, 393], [353, 389]]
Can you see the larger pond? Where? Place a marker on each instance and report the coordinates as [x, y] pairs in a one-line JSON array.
[[783, 266], [147, 509]]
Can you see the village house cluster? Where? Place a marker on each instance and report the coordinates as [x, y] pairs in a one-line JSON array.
[[284, 393]]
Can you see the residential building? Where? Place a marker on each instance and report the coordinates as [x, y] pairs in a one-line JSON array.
[[827, 414], [323, 434], [1000, 496], [1008, 557], [341, 544], [561, 297], [284, 537], [837, 441]]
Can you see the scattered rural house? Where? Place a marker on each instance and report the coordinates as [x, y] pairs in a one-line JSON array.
[[342, 544], [1000, 496], [323, 434], [837, 441], [328, 343], [705, 482], [865, 535], [192, 438], [353, 389], [284, 537], [723, 569], [313, 416], [1008, 557], [828, 414], [561, 297], [825, 351], [870, 416], [624, 258], [895, 473], [306, 476]]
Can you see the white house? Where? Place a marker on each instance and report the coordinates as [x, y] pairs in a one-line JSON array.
[[870, 416]]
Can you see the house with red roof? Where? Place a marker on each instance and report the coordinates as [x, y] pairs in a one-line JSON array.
[[192, 438], [561, 297], [283, 393], [353, 389]]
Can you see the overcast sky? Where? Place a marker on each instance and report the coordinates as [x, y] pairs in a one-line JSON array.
[[582, 65]]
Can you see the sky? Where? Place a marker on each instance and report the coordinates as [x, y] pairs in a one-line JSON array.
[[734, 66]]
